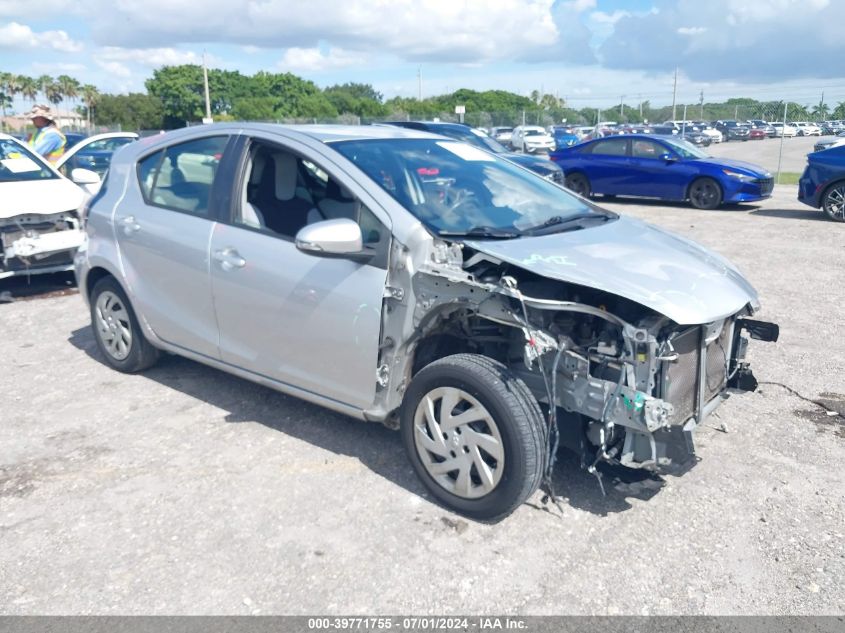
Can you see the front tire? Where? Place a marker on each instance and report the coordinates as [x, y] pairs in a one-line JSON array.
[[705, 193], [116, 331], [475, 435], [578, 184], [833, 202]]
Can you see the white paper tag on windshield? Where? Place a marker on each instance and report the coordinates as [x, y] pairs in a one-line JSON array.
[[20, 165], [467, 152]]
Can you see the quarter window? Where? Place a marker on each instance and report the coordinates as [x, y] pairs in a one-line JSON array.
[[181, 176]]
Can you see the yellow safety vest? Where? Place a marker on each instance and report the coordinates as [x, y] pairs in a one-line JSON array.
[[57, 153]]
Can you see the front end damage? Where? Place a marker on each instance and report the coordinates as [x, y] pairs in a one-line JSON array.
[[620, 382], [38, 243]]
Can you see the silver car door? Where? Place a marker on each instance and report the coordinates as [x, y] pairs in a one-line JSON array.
[[307, 321], [163, 227]]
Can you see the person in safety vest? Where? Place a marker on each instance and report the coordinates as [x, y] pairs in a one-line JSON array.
[[48, 139]]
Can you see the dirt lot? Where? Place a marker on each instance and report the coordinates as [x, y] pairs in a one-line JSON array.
[[185, 490]]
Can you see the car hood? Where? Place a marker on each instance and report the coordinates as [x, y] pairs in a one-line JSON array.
[[730, 163], [39, 196], [629, 258]]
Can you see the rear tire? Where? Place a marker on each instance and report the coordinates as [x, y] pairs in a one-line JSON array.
[[578, 184], [116, 331], [705, 193], [487, 465], [833, 202]]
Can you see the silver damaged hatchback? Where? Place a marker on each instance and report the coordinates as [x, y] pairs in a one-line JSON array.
[[406, 278]]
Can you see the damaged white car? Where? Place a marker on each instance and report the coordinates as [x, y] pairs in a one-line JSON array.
[[40, 227], [404, 278]]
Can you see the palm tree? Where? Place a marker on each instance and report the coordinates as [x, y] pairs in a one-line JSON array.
[[839, 112], [53, 92], [29, 87], [4, 97], [69, 87], [43, 81], [821, 111], [89, 97]]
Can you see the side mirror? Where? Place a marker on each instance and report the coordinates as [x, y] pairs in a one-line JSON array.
[[333, 238], [84, 176], [669, 158]]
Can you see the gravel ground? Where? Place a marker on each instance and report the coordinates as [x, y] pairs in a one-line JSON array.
[[187, 491], [766, 152]]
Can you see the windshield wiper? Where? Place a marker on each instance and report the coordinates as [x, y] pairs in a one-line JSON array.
[[557, 223], [482, 231]]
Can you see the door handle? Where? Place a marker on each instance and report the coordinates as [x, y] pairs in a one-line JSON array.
[[129, 225], [229, 259]]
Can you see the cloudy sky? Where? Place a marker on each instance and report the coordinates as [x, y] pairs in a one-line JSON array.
[[590, 51]]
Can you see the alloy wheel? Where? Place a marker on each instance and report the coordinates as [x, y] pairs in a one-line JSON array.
[[113, 325], [834, 203], [458, 442]]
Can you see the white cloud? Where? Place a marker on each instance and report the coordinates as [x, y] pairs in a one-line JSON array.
[[152, 57], [692, 30], [411, 30], [306, 60], [57, 67], [745, 40], [115, 68], [14, 35]]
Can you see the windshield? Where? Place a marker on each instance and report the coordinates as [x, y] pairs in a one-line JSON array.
[[685, 149], [455, 188], [534, 133], [17, 163], [473, 137]]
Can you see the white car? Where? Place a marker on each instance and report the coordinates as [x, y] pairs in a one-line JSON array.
[[803, 128], [502, 134], [40, 224], [708, 130], [94, 153], [532, 139], [787, 131]]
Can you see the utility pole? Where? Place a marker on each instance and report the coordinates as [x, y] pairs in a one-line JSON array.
[[208, 118], [780, 151], [621, 107], [701, 105], [674, 92], [640, 97], [419, 83], [736, 112]]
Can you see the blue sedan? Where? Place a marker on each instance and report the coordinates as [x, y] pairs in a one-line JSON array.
[[823, 183], [666, 168]]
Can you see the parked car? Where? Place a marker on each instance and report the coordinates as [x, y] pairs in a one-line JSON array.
[[564, 137], [826, 142], [403, 278], [706, 128], [501, 134], [803, 128], [460, 132], [696, 138], [822, 185], [759, 124], [786, 131], [95, 153], [732, 130], [531, 139], [40, 227], [660, 167], [757, 134]]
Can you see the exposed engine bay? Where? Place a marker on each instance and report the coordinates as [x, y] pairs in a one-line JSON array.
[[619, 382], [39, 243]]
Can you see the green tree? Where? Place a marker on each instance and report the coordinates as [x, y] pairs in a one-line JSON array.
[[839, 111], [29, 88], [821, 111], [68, 86], [43, 82], [134, 111], [53, 92], [358, 99], [90, 96]]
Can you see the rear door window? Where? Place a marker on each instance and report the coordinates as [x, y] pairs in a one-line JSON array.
[[180, 177], [611, 147]]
